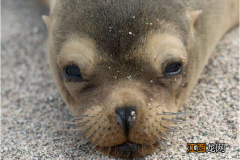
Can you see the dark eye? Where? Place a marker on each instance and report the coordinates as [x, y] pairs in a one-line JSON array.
[[173, 69], [73, 73]]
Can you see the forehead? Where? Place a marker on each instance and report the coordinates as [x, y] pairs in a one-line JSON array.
[[116, 26]]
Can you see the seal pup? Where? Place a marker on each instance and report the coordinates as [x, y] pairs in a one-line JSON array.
[[126, 67]]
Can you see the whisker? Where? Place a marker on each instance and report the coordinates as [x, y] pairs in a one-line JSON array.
[[80, 143], [101, 148], [168, 138], [91, 147], [100, 115], [80, 116], [77, 118], [163, 143], [173, 130], [166, 127], [65, 130], [80, 133], [92, 134], [174, 113], [73, 119], [63, 120], [75, 134], [160, 123], [149, 140], [84, 131], [173, 120], [95, 143], [179, 124], [165, 138], [110, 146], [76, 123], [158, 139]]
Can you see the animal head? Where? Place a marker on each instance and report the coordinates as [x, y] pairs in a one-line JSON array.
[[123, 69]]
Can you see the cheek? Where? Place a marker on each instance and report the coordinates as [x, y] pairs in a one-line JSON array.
[[74, 95], [74, 88], [172, 83]]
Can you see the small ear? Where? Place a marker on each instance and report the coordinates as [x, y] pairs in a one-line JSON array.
[[47, 20], [194, 15]]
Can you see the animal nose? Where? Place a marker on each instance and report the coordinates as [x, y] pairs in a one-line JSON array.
[[126, 117]]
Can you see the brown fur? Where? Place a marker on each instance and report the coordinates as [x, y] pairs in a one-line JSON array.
[[122, 48]]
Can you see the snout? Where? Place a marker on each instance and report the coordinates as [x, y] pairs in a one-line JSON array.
[[124, 125]]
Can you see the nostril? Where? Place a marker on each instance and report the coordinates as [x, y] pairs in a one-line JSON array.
[[126, 116], [120, 112], [130, 113]]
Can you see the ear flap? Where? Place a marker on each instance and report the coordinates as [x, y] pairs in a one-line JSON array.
[[194, 15], [47, 20]]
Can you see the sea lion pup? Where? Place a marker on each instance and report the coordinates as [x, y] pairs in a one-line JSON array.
[[125, 67]]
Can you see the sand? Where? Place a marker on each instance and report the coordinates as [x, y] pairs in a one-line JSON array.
[[32, 107]]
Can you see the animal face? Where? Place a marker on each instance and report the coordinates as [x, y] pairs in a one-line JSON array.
[[123, 81]]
